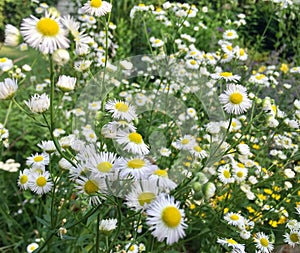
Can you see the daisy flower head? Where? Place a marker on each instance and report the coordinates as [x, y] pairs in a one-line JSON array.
[[132, 142], [107, 226], [132, 248], [38, 160], [225, 175], [234, 219], [121, 110], [12, 36], [40, 183], [229, 242], [8, 88], [6, 64], [23, 180], [101, 164], [166, 219], [96, 8], [292, 238], [38, 103], [45, 34], [156, 42], [90, 187], [162, 179], [235, 99], [66, 83], [227, 76], [142, 194], [187, 142], [31, 247], [230, 35], [263, 243], [137, 167]]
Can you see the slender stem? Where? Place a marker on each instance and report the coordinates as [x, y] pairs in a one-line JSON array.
[[7, 113], [97, 233]]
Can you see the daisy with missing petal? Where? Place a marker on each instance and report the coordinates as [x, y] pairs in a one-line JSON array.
[[45, 34], [162, 180], [90, 187], [121, 110], [40, 183], [263, 244], [235, 99], [227, 76], [132, 142], [166, 219], [137, 167], [142, 194], [229, 242], [96, 8]]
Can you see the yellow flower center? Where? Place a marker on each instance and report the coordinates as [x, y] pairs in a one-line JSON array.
[[146, 198], [229, 47], [135, 138], [241, 165], [41, 181], [3, 59], [185, 141], [233, 124], [122, 107], [171, 216], [142, 5], [23, 179], [240, 174], [92, 136], [226, 74], [294, 237], [229, 34], [231, 241], [197, 148], [161, 173], [136, 163], [47, 27], [234, 217], [96, 3], [104, 166], [38, 159], [157, 41], [264, 242], [259, 77], [193, 62], [242, 52], [90, 187], [226, 174], [131, 248], [236, 98]]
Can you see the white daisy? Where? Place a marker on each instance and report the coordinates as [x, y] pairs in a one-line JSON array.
[[8, 88], [131, 248], [156, 42], [47, 146], [107, 226], [38, 103], [237, 247], [12, 36], [40, 183], [234, 219], [137, 167], [38, 160], [66, 83], [227, 76], [187, 142], [132, 142], [225, 175], [142, 194], [197, 151], [96, 8], [263, 243], [23, 180], [6, 64], [45, 34], [292, 238], [235, 99], [31, 247], [121, 110], [94, 106], [91, 187], [166, 219], [162, 179], [101, 164], [230, 35]]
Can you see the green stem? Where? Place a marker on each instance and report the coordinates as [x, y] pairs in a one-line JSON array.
[[97, 233], [7, 113]]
